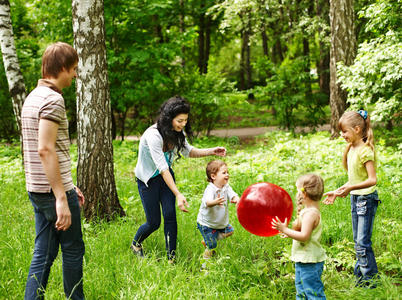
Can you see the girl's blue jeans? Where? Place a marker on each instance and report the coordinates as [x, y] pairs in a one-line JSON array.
[[364, 208], [308, 281], [154, 196], [47, 242]]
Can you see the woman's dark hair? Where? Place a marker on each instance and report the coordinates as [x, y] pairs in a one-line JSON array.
[[167, 112]]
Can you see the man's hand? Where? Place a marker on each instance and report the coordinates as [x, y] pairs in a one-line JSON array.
[[81, 198], [63, 221]]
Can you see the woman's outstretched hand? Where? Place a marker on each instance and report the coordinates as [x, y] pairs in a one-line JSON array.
[[182, 202], [219, 151]]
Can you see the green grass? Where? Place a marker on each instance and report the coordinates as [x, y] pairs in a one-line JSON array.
[[247, 266]]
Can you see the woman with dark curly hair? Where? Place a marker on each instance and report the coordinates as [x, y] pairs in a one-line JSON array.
[[158, 147]]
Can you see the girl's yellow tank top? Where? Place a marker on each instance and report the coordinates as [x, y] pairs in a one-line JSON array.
[[310, 251]]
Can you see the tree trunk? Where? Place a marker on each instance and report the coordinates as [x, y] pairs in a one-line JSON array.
[[207, 46], [323, 70], [123, 116], [201, 39], [343, 48], [158, 29], [278, 28], [306, 54], [95, 171], [245, 65], [182, 30], [114, 127], [322, 8], [242, 81], [11, 66], [263, 12]]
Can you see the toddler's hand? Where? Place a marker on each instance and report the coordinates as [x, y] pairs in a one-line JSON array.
[[278, 225], [235, 199], [220, 201]]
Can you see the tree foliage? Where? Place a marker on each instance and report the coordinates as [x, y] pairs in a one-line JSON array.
[[375, 76], [285, 91], [156, 47]]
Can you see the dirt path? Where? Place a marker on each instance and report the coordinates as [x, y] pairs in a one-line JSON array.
[[246, 132], [254, 131]]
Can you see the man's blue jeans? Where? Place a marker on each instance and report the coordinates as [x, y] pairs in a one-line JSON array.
[[47, 243], [308, 281], [364, 208], [153, 196]]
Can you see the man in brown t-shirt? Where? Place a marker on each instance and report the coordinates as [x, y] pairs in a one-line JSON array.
[[50, 187]]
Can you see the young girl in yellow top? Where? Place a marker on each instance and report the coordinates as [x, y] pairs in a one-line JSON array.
[[359, 161], [307, 252]]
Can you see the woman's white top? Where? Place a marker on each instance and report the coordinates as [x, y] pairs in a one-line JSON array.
[[216, 217], [150, 154]]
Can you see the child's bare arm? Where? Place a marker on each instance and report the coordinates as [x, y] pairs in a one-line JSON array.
[[344, 190], [296, 224], [308, 223]]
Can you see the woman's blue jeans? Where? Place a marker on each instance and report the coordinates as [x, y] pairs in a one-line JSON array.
[[153, 196], [364, 208], [308, 280], [47, 242]]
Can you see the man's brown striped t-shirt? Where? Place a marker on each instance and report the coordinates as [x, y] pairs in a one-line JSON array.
[[45, 102]]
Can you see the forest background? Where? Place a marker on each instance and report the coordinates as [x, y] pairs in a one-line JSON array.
[[240, 63], [276, 52]]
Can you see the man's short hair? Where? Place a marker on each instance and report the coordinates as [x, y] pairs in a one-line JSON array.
[[56, 57]]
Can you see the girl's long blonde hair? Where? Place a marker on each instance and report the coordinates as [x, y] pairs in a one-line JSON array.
[[352, 119]]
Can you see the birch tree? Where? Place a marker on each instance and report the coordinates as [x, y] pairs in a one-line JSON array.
[[13, 73], [95, 171], [343, 48]]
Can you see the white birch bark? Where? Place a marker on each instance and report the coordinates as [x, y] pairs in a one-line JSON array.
[[95, 171], [13, 73], [343, 48]]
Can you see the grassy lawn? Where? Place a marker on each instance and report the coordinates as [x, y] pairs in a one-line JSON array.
[[247, 266]]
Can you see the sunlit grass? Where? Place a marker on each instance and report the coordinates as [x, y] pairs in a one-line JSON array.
[[247, 266]]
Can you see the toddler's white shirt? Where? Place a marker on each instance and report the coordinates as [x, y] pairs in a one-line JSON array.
[[216, 217]]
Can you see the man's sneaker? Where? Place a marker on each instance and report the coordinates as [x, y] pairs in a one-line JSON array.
[[138, 252]]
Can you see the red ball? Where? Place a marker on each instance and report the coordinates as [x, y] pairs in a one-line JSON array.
[[260, 203]]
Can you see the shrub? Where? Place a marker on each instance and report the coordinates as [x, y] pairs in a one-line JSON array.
[[206, 93]]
